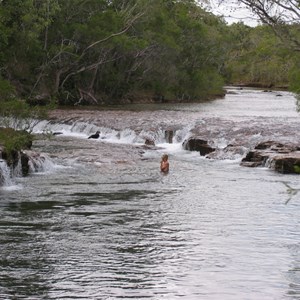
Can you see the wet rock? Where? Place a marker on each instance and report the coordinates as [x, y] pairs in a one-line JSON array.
[[149, 142], [283, 158], [2, 179], [197, 144], [276, 146], [287, 164], [25, 164], [11, 157], [255, 159], [32, 162], [169, 134]]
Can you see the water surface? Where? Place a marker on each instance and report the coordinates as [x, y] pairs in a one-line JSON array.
[[103, 223]]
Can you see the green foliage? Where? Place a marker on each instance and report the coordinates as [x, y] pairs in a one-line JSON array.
[[297, 169], [258, 57], [13, 141], [89, 50], [19, 115], [7, 91], [294, 77]]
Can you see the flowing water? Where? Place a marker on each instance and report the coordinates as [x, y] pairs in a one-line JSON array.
[[101, 221]]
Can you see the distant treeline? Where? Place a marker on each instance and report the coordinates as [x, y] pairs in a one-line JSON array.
[[104, 52]]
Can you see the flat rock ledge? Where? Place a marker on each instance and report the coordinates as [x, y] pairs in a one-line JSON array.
[[283, 158]]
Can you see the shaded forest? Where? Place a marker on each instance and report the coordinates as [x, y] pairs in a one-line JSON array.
[[104, 52]]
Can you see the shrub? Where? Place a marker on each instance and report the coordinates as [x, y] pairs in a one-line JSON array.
[[14, 141], [19, 115]]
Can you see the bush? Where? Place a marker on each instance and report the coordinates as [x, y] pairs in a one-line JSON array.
[[13, 141], [19, 115], [7, 91]]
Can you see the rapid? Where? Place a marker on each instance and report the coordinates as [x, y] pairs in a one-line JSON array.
[[99, 221]]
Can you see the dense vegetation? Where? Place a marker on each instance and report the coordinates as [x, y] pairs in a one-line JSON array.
[[258, 57], [100, 51], [17, 120]]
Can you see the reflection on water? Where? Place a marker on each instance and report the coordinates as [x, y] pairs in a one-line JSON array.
[[208, 230]]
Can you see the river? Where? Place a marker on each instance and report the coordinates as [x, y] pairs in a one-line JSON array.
[[101, 222]]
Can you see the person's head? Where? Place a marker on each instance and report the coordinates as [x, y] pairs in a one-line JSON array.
[[165, 157]]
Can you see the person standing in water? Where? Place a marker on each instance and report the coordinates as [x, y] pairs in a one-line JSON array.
[[164, 164]]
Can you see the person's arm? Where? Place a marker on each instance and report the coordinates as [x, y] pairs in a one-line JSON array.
[[164, 166]]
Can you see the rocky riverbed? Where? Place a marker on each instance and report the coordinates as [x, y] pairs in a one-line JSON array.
[[256, 136]]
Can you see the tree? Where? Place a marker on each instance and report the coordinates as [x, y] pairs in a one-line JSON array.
[[98, 51], [258, 57], [282, 15]]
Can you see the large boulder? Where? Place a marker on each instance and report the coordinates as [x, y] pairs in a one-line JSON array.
[[198, 144], [287, 164]]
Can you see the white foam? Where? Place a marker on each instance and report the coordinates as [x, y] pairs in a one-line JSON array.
[[5, 175], [11, 188]]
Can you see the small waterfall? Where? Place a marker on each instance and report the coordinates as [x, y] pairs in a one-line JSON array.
[[5, 174], [169, 134], [28, 162], [127, 135], [16, 170], [37, 162], [169, 137]]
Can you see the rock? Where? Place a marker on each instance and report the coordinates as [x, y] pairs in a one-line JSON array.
[[2, 179], [169, 134], [25, 164], [12, 158], [287, 164], [149, 142], [283, 158], [197, 144], [255, 159], [275, 146], [32, 161]]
